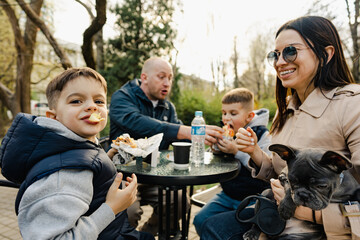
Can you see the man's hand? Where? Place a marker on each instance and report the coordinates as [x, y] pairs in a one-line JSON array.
[[121, 199], [212, 134]]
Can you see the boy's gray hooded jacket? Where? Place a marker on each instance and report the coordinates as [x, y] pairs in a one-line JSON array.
[[64, 181]]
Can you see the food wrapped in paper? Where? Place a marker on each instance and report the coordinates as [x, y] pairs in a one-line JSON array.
[[129, 148], [228, 134]]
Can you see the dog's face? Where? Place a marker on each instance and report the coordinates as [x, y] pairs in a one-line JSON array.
[[313, 174]]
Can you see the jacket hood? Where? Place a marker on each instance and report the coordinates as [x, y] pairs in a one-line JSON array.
[[31, 139]]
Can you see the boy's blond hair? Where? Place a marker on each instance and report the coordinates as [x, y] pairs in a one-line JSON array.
[[239, 95], [56, 85]]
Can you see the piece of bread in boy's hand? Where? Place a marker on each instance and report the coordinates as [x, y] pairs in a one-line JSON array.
[[96, 117]]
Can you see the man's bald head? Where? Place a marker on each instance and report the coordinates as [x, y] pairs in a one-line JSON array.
[[156, 78]]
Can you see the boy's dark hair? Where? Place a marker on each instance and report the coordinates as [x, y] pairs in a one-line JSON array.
[[56, 85], [239, 95]]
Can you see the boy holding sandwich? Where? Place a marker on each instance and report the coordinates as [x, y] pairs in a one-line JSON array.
[[69, 185], [237, 112]]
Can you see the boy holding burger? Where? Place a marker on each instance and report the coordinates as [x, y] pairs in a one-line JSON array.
[[237, 112]]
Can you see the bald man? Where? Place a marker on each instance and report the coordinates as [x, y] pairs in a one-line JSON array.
[[140, 109]]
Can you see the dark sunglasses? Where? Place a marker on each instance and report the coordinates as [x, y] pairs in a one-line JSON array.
[[289, 54]]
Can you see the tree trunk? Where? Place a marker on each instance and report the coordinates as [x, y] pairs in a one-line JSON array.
[[96, 25], [33, 15], [355, 38]]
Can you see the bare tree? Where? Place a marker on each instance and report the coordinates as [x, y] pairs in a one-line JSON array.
[[219, 73], [89, 34], [325, 8], [235, 62], [353, 18], [20, 99], [98, 39], [256, 65]]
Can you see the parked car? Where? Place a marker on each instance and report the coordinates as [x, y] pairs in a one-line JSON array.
[[39, 108]]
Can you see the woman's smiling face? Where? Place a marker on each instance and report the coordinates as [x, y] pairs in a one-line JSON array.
[[299, 73]]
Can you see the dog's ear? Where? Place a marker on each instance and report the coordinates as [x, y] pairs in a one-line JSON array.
[[285, 152], [335, 161]]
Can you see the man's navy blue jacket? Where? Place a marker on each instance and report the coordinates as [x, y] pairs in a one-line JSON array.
[[133, 113]]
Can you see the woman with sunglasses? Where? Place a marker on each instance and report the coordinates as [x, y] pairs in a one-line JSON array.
[[317, 107]]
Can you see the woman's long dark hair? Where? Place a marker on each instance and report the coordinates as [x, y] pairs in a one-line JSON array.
[[318, 32]]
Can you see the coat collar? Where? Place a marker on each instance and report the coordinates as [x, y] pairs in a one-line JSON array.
[[316, 103]]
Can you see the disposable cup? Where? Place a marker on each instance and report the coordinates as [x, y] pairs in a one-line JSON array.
[[181, 155]]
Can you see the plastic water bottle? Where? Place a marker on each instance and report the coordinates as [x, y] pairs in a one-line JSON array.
[[198, 139]]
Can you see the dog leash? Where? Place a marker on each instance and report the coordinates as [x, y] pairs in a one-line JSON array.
[[352, 212]]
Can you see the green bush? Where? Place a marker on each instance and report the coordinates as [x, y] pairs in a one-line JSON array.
[[191, 101], [269, 103]]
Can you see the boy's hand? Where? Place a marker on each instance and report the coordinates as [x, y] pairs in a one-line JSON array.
[[120, 199], [227, 146], [112, 152], [246, 140]]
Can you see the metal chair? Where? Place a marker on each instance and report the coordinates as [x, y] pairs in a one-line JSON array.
[[7, 183], [105, 142], [201, 198]]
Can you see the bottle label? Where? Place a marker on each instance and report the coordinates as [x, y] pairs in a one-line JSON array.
[[197, 130]]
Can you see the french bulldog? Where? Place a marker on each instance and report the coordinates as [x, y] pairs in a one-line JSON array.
[[313, 178]]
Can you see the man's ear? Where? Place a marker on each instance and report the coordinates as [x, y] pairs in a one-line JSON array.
[[330, 51], [51, 114], [143, 77]]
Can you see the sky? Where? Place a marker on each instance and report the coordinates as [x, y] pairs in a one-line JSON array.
[[206, 28]]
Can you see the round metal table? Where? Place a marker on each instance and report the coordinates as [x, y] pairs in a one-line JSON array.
[[216, 168]]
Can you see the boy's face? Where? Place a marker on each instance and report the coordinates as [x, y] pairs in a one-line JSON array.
[[236, 115], [77, 101]]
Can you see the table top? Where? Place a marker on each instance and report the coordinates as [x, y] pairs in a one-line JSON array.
[[216, 168]]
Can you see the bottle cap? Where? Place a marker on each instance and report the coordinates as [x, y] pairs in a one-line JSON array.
[[198, 114]]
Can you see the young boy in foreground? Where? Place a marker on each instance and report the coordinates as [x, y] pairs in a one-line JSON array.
[[70, 188], [237, 112]]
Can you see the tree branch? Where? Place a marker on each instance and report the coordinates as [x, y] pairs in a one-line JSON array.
[[88, 9], [96, 25], [46, 76], [39, 23], [19, 41]]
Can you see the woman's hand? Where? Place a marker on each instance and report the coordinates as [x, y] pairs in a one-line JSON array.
[[227, 146], [121, 199], [278, 190], [246, 140]]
